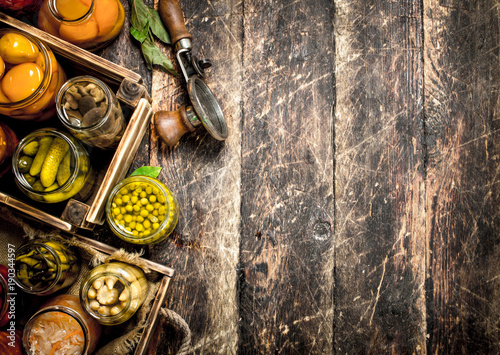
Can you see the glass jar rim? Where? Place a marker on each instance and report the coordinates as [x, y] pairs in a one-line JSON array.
[[29, 138], [47, 74], [57, 278], [117, 229], [104, 319], [54, 12], [61, 113], [60, 309]]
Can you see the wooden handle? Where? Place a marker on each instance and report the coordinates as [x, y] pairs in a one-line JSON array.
[[171, 125], [173, 18]]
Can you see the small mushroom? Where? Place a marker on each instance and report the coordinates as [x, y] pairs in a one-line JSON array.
[[85, 104], [98, 283], [85, 90], [104, 311], [98, 94], [94, 305], [93, 116]]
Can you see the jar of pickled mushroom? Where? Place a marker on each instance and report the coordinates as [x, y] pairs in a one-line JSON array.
[[43, 267], [142, 210], [8, 142], [89, 24], [30, 77], [52, 166], [91, 112], [113, 292], [61, 327]]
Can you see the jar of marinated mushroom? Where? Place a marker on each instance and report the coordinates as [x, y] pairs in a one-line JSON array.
[[91, 112], [113, 292]]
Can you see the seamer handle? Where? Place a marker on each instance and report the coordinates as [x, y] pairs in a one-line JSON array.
[[172, 125], [173, 18]]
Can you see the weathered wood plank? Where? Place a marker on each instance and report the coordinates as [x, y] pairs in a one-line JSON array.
[[462, 105], [205, 176], [286, 260], [379, 194]]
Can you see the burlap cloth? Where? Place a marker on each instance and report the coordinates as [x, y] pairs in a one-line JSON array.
[[15, 231]]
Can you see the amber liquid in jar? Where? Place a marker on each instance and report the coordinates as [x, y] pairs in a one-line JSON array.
[[8, 142], [89, 24], [61, 327], [30, 77]]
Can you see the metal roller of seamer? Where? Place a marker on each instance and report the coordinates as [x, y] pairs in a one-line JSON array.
[[204, 109]]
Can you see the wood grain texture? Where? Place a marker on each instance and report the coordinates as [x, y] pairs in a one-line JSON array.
[[462, 134], [286, 254], [204, 174], [379, 192]]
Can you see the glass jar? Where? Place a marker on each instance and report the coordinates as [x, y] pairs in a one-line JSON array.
[[113, 292], [8, 142], [44, 267], [30, 77], [61, 327], [142, 210], [52, 166], [89, 24], [91, 112]]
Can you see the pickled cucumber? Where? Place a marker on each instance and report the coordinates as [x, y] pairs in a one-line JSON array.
[[53, 159], [24, 163], [44, 146], [31, 148], [64, 171]]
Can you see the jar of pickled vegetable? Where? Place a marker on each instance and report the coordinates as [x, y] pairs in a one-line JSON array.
[[113, 292], [142, 210], [52, 166], [89, 24], [61, 327], [44, 267], [30, 77], [8, 142], [91, 112]]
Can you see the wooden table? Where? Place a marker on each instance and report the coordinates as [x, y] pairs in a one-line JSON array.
[[354, 207]]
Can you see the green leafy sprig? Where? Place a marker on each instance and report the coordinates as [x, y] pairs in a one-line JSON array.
[[151, 171], [145, 25]]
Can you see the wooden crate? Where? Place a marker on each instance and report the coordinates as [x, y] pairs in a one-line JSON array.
[[89, 213]]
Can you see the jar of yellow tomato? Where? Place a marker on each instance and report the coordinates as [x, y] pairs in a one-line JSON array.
[[30, 77], [89, 24]]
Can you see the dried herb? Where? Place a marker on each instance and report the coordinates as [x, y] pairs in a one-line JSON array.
[[145, 25], [151, 171]]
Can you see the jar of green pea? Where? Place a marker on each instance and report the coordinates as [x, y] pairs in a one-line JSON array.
[[142, 210]]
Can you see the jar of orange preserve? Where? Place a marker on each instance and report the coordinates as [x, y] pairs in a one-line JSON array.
[[29, 77], [89, 24]]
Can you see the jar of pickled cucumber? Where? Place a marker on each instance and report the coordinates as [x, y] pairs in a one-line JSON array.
[[52, 166], [113, 292], [142, 210], [43, 267], [91, 112], [61, 327], [30, 77], [89, 24]]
